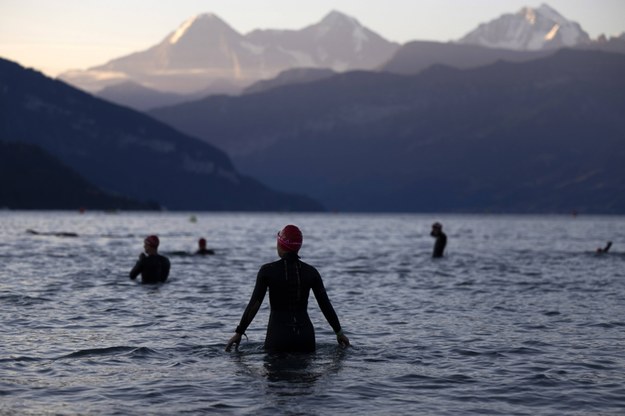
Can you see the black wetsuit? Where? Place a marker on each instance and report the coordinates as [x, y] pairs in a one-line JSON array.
[[439, 244], [289, 281], [153, 269]]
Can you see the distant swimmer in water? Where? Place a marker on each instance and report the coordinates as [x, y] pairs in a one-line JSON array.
[[202, 250], [55, 234], [441, 239], [152, 267], [604, 249], [289, 281]]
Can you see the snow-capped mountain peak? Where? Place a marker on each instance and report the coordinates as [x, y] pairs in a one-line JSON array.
[[550, 13], [205, 53], [334, 22], [336, 18], [202, 25], [182, 29], [528, 29]]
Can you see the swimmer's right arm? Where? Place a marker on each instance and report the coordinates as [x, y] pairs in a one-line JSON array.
[[246, 319], [342, 339]]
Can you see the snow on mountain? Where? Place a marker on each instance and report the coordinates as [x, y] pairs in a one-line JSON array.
[[343, 39], [336, 22], [201, 52], [205, 53], [530, 29], [338, 42]]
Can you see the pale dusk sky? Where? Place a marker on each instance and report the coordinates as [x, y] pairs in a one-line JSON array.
[[56, 35]]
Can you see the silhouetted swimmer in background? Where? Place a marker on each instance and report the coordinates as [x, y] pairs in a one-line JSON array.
[[152, 267], [604, 249], [289, 281], [55, 234], [202, 250], [441, 239]]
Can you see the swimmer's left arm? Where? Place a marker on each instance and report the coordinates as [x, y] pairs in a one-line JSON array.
[[328, 311]]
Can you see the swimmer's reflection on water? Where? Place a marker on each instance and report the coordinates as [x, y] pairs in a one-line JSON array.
[[289, 281], [291, 374]]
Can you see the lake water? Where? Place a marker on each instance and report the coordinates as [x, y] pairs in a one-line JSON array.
[[520, 318]]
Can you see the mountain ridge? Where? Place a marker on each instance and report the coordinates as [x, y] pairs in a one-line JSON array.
[[204, 55], [204, 51], [528, 29], [371, 141]]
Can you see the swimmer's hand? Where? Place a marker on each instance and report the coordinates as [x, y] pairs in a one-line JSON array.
[[235, 340], [342, 339]]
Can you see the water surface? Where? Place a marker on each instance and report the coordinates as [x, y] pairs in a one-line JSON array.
[[520, 318]]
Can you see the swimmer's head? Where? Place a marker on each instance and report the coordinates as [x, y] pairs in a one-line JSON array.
[[202, 242], [152, 241], [437, 226], [290, 239]]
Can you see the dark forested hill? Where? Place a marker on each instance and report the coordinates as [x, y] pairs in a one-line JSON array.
[[545, 135], [32, 179], [125, 152]]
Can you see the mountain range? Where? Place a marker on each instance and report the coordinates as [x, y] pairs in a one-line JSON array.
[[544, 135], [205, 56], [485, 124], [125, 152]]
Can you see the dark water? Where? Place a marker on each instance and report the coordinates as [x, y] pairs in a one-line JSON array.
[[520, 318]]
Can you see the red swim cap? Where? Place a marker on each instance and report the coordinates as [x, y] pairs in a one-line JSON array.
[[202, 242], [290, 238], [152, 241]]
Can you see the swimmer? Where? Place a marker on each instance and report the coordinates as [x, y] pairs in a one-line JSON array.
[[441, 239], [289, 281], [152, 267], [604, 249], [202, 250], [55, 234]]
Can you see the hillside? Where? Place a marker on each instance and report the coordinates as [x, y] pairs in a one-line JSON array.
[[125, 152], [32, 179]]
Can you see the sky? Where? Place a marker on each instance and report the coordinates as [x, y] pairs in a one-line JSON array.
[[57, 35]]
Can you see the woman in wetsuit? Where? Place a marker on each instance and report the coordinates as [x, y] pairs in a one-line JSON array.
[[289, 281]]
